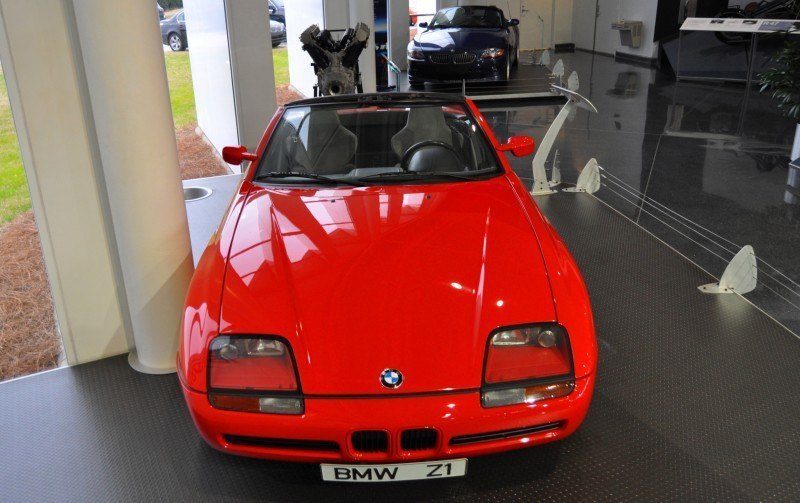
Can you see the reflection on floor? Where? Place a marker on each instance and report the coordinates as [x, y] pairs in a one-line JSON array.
[[709, 152]]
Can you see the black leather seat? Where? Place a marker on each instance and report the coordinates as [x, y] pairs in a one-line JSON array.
[[425, 124], [323, 146]]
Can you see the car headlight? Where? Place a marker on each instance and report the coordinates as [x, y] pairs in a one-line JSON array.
[[253, 374], [416, 54], [493, 53], [527, 364]]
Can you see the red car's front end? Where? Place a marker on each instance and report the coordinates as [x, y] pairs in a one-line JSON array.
[[342, 314]]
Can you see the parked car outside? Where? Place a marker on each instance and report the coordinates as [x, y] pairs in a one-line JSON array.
[[173, 32], [160, 11], [278, 32], [277, 11], [472, 42]]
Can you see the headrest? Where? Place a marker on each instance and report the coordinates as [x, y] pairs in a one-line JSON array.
[[426, 119]]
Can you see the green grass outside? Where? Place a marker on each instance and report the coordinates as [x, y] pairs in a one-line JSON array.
[[181, 91], [280, 62], [14, 195]]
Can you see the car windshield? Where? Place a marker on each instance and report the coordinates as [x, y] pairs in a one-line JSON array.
[[376, 144], [468, 17]]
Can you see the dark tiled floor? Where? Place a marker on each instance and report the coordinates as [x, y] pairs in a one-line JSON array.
[[709, 152]]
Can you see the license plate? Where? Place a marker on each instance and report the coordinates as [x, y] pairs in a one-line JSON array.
[[391, 473]]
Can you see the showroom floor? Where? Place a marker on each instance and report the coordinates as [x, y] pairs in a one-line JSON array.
[[697, 399]]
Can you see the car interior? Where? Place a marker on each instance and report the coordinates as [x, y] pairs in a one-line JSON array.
[[370, 140]]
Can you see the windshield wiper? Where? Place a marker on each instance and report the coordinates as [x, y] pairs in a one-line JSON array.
[[415, 175], [310, 176]]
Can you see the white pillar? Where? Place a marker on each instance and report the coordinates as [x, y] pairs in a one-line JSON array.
[[127, 86], [299, 15], [250, 44], [398, 32], [44, 75], [362, 11]]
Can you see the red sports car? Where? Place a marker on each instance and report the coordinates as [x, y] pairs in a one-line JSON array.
[[384, 297]]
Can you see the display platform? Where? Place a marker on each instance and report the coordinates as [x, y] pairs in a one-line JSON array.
[[525, 79], [205, 213], [697, 399]]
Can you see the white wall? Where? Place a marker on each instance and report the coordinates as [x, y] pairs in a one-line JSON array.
[[300, 14], [207, 33], [583, 16], [610, 11], [230, 50], [563, 19]]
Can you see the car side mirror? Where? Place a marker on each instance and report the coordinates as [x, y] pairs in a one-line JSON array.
[[271, 9], [520, 146], [423, 24], [237, 155], [513, 22]]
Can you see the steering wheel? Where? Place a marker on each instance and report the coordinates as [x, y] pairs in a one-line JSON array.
[[426, 143]]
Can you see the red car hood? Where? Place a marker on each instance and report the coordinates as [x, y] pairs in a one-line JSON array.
[[412, 278]]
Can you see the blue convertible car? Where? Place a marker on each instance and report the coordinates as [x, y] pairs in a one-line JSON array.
[[474, 43]]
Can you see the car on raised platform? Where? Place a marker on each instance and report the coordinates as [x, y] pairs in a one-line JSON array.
[[474, 43], [384, 297]]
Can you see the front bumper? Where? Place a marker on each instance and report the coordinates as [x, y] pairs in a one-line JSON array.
[[331, 421], [480, 69]]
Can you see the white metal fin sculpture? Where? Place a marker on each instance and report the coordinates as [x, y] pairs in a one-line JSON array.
[[555, 171], [574, 100], [741, 275], [589, 179], [558, 72], [573, 84], [544, 59]]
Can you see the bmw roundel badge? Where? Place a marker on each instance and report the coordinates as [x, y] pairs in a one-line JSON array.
[[391, 378]]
